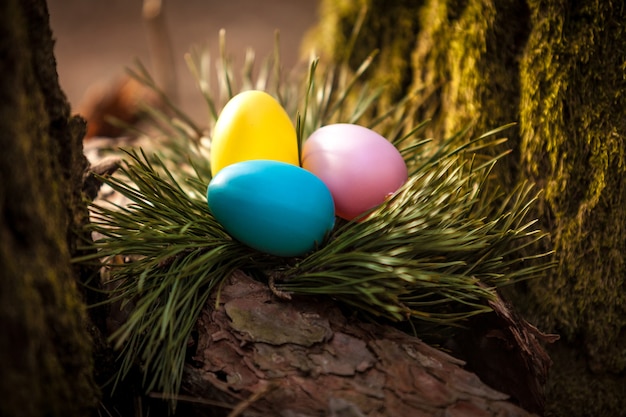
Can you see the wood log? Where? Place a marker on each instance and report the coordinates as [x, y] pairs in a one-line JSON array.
[[265, 356]]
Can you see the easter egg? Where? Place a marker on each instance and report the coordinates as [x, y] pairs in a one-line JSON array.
[[253, 125], [360, 167], [272, 206]]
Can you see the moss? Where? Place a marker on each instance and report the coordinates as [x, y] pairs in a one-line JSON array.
[[45, 351], [389, 27], [460, 83], [459, 63], [573, 132]]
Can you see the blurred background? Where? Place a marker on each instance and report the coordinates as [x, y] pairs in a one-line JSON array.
[[97, 39]]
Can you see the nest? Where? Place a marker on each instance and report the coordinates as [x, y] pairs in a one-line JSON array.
[[426, 261]]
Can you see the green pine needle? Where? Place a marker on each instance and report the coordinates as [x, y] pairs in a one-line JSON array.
[[423, 253], [435, 252]]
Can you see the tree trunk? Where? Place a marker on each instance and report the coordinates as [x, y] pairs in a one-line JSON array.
[[556, 68], [45, 348]]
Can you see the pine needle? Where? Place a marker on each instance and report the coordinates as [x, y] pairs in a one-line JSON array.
[[434, 253]]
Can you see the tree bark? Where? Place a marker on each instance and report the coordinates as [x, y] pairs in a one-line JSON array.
[[556, 68], [267, 357], [45, 347]]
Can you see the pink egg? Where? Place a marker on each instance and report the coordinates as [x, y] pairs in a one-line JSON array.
[[360, 167]]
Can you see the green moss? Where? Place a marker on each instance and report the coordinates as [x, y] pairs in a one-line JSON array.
[[573, 132], [389, 27], [450, 52], [459, 60], [45, 351]]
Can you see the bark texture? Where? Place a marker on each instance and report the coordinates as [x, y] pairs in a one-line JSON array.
[[45, 351], [267, 357], [557, 68]]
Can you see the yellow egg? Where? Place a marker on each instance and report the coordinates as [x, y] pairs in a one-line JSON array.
[[253, 125]]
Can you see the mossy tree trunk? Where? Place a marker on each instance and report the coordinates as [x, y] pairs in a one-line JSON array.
[[45, 348], [557, 68]]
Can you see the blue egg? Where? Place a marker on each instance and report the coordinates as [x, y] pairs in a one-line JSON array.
[[274, 207]]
